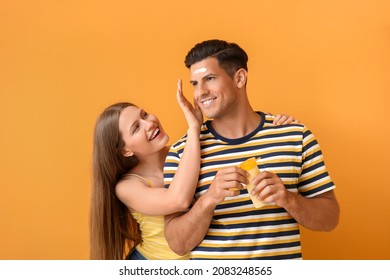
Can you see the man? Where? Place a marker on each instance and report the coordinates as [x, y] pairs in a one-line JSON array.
[[223, 223]]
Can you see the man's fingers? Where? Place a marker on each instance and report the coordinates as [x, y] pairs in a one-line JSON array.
[[263, 175]]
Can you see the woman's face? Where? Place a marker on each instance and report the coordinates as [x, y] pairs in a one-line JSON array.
[[141, 132]]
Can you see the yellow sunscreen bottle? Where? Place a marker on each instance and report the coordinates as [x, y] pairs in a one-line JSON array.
[[250, 165]]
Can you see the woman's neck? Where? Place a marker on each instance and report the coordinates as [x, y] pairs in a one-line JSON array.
[[151, 165]]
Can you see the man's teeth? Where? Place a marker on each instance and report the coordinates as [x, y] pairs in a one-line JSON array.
[[208, 101]]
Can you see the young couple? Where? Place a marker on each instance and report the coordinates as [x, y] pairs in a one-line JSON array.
[[142, 202]]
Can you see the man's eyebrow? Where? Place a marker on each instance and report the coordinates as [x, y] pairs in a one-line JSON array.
[[208, 75], [203, 78]]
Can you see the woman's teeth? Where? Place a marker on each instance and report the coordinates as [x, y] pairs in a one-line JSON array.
[[155, 133]]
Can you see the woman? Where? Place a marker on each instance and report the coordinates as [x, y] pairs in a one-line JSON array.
[[128, 200]]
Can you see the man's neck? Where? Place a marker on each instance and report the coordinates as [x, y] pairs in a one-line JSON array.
[[238, 125]]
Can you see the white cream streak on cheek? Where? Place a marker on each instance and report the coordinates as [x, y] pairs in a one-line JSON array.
[[200, 70]]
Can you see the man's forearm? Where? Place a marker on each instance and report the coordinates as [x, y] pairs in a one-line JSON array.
[[319, 213], [185, 231]]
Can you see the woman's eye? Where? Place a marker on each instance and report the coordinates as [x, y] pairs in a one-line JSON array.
[[144, 115]]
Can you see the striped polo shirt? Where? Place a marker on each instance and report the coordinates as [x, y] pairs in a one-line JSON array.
[[238, 230]]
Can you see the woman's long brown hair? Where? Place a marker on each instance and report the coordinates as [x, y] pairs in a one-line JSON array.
[[113, 230]]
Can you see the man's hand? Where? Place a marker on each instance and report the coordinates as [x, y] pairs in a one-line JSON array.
[[270, 188], [227, 183]]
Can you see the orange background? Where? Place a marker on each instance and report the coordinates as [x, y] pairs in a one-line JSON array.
[[326, 62]]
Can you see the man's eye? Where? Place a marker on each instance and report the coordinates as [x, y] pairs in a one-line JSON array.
[[210, 78]]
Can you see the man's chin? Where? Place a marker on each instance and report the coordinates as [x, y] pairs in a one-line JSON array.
[[208, 114]]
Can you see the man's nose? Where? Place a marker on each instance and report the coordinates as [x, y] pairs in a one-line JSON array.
[[202, 90]]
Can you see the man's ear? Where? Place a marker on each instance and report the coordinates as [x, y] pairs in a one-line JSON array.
[[241, 77], [127, 153]]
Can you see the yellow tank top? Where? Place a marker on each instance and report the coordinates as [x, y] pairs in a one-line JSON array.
[[154, 246]]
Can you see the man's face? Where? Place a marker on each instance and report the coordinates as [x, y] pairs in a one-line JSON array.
[[214, 90]]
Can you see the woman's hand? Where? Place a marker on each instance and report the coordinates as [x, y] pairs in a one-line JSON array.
[[192, 114], [282, 119]]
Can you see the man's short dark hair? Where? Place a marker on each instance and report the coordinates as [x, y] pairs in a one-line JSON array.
[[230, 56]]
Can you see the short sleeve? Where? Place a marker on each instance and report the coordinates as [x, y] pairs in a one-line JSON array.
[[171, 165], [314, 178]]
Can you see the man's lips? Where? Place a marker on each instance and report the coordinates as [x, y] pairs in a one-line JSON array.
[[207, 101]]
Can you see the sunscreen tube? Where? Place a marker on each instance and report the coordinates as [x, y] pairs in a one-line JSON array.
[[250, 166]]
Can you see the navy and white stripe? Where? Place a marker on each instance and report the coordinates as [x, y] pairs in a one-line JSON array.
[[238, 230]]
